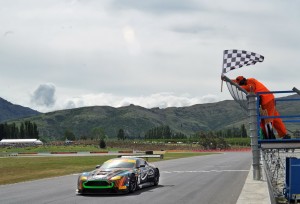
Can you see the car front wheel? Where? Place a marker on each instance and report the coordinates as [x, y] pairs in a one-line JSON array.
[[132, 184]]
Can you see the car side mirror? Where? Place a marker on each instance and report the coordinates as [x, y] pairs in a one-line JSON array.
[[142, 165], [98, 166]]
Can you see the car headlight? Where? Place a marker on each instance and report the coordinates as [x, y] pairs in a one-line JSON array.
[[83, 178], [114, 178]]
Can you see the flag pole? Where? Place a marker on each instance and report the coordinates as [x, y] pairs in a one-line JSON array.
[[222, 73], [221, 85]]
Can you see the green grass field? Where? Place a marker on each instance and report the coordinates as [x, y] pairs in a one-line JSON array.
[[19, 169]]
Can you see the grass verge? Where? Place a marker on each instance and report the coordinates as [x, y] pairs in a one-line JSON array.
[[19, 169]]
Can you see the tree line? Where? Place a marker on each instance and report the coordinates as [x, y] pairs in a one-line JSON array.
[[163, 132], [26, 130], [233, 132]]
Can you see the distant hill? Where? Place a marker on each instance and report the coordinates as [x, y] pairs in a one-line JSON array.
[[136, 120], [9, 111]]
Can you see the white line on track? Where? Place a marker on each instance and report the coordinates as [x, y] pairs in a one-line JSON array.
[[203, 171]]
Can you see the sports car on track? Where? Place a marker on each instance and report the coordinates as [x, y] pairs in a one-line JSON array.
[[119, 175]]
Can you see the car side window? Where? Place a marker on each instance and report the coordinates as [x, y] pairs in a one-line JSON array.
[[138, 163], [141, 162]]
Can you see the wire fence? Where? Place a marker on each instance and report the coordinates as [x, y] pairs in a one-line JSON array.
[[237, 93], [274, 161]]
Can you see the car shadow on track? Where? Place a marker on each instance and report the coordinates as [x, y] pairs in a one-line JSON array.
[[137, 192]]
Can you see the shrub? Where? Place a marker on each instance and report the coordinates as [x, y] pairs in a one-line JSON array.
[[102, 144]]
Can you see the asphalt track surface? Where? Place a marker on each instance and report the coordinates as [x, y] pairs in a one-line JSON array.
[[211, 179]]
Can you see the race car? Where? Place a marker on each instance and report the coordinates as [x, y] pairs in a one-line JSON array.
[[118, 175]]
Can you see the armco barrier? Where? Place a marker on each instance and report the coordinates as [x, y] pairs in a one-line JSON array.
[[21, 153], [100, 152], [125, 151], [63, 152]]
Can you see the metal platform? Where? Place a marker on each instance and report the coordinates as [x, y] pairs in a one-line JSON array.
[[279, 144]]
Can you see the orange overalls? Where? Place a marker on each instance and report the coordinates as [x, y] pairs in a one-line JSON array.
[[268, 103]]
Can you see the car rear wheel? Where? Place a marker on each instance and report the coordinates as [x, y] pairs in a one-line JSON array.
[[132, 184]]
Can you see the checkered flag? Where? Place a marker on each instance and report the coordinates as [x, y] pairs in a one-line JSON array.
[[234, 59]]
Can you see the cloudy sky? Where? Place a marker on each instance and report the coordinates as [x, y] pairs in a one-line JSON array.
[[58, 54]]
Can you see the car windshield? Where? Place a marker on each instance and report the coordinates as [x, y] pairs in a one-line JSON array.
[[118, 164]]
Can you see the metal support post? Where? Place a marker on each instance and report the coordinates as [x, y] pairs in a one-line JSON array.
[[254, 136]]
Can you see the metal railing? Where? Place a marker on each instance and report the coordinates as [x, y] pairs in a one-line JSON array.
[[274, 151]]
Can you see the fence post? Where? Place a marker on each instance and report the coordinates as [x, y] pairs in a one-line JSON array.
[[254, 136]]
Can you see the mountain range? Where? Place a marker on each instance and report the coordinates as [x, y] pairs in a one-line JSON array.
[[136, 120]]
